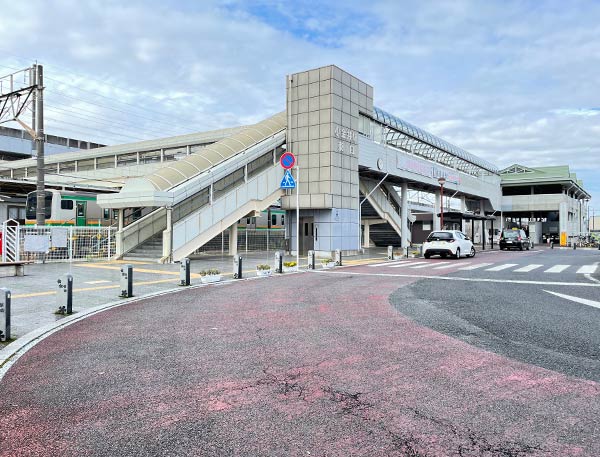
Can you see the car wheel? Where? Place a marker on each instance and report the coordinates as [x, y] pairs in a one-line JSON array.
[[501, 248], [520, 247], [426, 255], [443, 256], [472, 252], [458, 253]]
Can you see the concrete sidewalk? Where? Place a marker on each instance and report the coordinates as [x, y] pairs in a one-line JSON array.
[[97, 283]]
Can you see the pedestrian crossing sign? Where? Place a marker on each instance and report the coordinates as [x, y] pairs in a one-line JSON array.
[[288, 181]]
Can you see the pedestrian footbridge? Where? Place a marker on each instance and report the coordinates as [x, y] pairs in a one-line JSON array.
[[200, 196]]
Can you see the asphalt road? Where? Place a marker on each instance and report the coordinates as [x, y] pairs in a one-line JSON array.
[[525, 321], [306, 364]]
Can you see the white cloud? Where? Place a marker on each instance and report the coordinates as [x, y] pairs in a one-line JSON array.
[[509, 81]]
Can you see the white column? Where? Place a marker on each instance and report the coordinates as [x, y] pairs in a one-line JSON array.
[[233, 239], [367, 235], [119, 235], [563, 218], [167, 238], [436, 210], [404, 216]]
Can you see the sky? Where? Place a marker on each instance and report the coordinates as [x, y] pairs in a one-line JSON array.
[[510, 81]]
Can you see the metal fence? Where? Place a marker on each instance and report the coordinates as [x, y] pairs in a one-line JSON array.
[[248, 240], [64, 244]]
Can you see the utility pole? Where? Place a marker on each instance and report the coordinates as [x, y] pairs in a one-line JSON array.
[[20, 91], [40, 213]]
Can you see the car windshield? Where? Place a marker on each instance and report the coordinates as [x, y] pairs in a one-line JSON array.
[[436, 236], [511, 234]]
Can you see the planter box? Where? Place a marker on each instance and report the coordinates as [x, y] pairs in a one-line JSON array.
[[208, 279], [264, 272], [290, 269]]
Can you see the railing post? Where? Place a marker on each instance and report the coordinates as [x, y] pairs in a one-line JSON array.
[[237, 267], [4, 314], [338, 257], [184, 272], [126, 281], [64, 295], [278, 262]]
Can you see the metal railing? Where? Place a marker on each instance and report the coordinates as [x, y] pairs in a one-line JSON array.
[[66, 244]]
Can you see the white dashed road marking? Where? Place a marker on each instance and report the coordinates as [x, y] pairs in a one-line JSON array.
[[502, 267], [557, 268], [528, 268], [452, 264], [476, 266], [587, 269], [428, 264], [404, 264]]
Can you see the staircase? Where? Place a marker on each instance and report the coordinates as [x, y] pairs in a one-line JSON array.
[[384, 235], [150, 250], [380, 234]]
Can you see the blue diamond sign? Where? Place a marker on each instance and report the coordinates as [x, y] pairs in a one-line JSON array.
[[288, 181]]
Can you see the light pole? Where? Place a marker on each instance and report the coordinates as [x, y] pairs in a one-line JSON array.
[[442, 181]]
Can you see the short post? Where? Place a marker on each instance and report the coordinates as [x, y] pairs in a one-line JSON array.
[[552, 245], [184, 272], [237, 266], [390, 254], [338, 257], [574, 245], [126, 281], [278, 262], [407, 248], [4, 314], [64, 295], [311, 260]]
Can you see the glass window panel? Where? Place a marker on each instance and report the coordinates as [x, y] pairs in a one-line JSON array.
[[175, 153], [127, 159], [87, 164], [105, 162], [150, 156]]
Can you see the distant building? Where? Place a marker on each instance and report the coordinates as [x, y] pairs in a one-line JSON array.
[[549, 202], [17, 144]]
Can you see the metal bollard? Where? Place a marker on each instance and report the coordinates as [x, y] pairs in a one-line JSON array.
[[390, 254], [338, 257], [311, 260], [126, 281], [574, 245], [552, 245], [278, 262], [4, 314], [237, 267], [184, 272], [64, 295]]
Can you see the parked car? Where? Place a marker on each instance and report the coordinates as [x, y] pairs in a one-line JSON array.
[[515, 239], [448, 242]]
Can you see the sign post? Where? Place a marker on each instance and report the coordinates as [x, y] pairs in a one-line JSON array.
[[288, 160]]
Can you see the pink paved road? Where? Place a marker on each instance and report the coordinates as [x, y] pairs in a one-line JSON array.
[[312, 364]]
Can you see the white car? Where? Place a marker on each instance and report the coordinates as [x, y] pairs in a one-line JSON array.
[[448, 242]]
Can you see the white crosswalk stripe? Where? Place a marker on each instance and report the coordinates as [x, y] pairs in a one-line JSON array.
[[587, 269], [504, 266], [452, 264], [428, 264], [404, 264], [476, 266], [386, 264], [528, 268], [557, 269]]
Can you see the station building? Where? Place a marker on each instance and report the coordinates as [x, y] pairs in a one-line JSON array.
[[356, 170]]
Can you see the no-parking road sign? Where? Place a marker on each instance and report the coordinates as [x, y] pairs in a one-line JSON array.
[[288, 160]]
